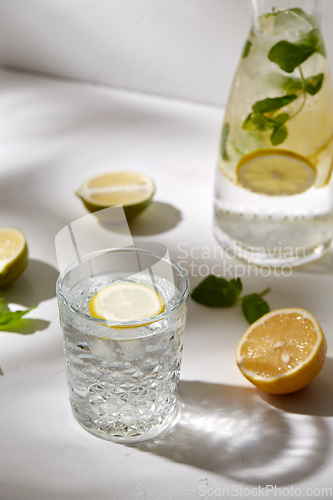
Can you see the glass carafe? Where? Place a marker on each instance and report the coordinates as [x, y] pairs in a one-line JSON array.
[[273, 189]]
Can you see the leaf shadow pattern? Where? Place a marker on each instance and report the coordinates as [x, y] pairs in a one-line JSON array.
[[25, 326], [35, 285], [231, 431]]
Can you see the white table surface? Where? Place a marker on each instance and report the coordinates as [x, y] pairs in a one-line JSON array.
[[53, 134]]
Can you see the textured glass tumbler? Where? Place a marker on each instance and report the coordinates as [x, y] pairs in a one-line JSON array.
[[123, 377]]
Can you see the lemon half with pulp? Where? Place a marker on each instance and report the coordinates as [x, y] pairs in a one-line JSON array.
[[13, 255], [123, 302], [132, 190], [276, 172], [283, 351]]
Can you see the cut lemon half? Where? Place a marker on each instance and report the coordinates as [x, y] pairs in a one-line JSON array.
[[283, 351], [131, 189], [276, 172], [13, 255], [124, 302]]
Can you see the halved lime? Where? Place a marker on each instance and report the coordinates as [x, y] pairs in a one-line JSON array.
[[133, 190], [276, 172], [123, 302], [13, 255]]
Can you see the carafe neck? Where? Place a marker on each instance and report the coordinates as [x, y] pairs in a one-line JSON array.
[[311, 7]]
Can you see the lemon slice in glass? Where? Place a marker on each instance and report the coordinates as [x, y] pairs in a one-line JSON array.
[[123, 302], [133, 190], [13, 255], [276, 173]]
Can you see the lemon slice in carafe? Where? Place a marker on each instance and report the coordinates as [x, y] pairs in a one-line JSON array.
[[275, 173]]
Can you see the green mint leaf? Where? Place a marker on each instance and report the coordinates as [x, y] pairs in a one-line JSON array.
[[274, 13], [314, 84], [256, 121], [217, 292], [235, 288], [267, 105], [1, 372], [316, 37], [315, 40], [225, 133], [246, 49], [281, 119], [8, 317], [302, 13], [279, 135], [292, 85], [253, 307], [290, 55]]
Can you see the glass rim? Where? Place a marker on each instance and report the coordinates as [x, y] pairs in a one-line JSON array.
[[123, 324]]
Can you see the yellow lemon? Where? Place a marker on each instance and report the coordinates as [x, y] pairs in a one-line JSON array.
[[123, 302], [131, 189], [283, 351], [13, 255], [276, 172]]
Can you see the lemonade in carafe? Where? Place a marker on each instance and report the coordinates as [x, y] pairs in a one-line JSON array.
[[274, 191]]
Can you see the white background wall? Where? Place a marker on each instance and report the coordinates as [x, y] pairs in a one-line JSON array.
[[186, 49]]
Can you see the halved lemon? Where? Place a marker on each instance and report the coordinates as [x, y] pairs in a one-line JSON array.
[[283, 351], [13, 255], [276, 172], [124, 302], [133, 190]]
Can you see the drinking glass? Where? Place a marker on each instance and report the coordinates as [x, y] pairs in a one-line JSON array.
[[123, 376]]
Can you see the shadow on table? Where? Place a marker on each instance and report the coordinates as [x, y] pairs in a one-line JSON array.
[[157, 218], [36, 284], [315, 400], [230, 430]]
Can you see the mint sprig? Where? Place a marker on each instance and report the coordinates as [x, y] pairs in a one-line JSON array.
[[268, 105], [288, 56], [279, 135], [254, 306], [8, 317], [314, 84], [219, 292]]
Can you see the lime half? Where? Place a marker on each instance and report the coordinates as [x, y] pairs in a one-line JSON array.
[[132, 190], [276, 173], [123, 302], [13, 255]]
